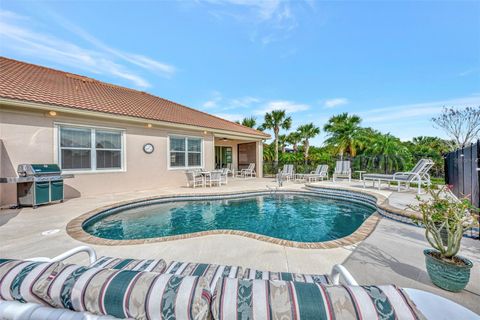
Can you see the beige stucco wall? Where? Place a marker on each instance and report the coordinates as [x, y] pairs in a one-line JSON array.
[[28, 137]]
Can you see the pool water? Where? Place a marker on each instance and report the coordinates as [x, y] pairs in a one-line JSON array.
[[300, 218]]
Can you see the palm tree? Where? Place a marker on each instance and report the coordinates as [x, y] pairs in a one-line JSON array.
[[294, 138], [390, 152], [282, 142], [275, 121], [248, 122], [344, 134], [307, 131]]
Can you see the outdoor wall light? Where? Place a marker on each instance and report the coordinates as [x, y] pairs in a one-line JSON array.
[[52, 113], [205, 132], [149, 125]]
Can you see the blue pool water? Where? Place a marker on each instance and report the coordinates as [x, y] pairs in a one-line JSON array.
[[296, 217]]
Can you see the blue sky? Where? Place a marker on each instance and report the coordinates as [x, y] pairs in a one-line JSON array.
[[393, 63]]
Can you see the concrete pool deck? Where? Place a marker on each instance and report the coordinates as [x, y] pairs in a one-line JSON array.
[[393, 253]]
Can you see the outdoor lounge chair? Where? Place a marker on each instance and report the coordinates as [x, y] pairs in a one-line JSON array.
[[419, 175], [320, 172], [250, 171], [342, 170], [287, 173], [194, 179], [111, 288]]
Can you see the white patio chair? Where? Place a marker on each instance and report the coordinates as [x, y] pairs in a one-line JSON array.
[[342, 170], [214, 177], [419, 175], [320, 172], [224, 176], [194, 179], [250, 171], [287, 173]]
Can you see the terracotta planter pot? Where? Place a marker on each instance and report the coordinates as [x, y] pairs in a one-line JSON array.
[[445, 275]]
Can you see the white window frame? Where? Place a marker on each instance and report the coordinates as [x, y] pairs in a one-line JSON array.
[[186, 137], [93, 154]]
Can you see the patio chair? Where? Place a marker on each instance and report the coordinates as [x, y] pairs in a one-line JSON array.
[[320, 172], [214, 177], [418, 174], [224, 175], [287, 173], [194, 179], [231, 170], [31, 288], [250, 171], [342, 170]]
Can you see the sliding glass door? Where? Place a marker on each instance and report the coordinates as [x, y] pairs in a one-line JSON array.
[[223, 157]]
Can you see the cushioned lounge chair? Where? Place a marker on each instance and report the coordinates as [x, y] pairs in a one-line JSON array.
[[342, 170], [419, 175], [44, 288]]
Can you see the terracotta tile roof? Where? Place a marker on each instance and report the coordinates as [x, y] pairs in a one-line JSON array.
[[29, 82]]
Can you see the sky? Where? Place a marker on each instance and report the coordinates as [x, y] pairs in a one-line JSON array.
[[393, 63]]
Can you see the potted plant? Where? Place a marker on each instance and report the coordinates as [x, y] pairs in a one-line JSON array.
[[446, 219]]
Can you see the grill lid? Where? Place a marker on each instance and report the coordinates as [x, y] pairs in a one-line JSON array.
[[38, 169]]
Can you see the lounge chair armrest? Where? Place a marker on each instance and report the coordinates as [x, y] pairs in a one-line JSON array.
[[396, 174], [92, 255], [339, 270]]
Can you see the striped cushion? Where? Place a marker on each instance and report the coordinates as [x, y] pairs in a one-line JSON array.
[[211, 272], [260, 299], [126, 293], [149, 265], [18, 279], [286, 276]]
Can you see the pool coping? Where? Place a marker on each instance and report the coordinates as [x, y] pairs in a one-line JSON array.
[[75, 230]]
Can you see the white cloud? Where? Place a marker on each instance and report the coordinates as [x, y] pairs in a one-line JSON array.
[[213, 101], [336, 102], [271, 20], [288, 106], [22, 35], [404, 112], [230, 116]]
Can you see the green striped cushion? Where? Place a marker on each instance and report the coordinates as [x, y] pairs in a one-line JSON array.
[[150, 265], [286, 276], [262, 299], [19, 278], [126, 293], [211, 272]]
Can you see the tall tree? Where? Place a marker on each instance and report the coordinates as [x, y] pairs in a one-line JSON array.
[[250, 122], [276, 120], [307, 132], [389, 152], [344, 133], [294, 138], [461, 125], [282, 142]]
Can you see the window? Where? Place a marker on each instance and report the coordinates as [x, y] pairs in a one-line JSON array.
[[185, 152], [90, 149]]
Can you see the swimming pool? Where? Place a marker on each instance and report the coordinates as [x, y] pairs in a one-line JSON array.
[[293, 217]]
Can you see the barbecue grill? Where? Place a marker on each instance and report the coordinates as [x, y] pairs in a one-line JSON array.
[[38, 184]]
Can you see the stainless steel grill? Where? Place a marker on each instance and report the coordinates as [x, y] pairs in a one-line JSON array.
[[38, 184]]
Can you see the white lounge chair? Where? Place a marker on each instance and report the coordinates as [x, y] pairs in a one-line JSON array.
[[195, 179], [342, 170], [320, 172], [250, 171], [287, 173], [419, 175]]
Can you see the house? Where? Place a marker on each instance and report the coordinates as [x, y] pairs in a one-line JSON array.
[[113, 139]]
